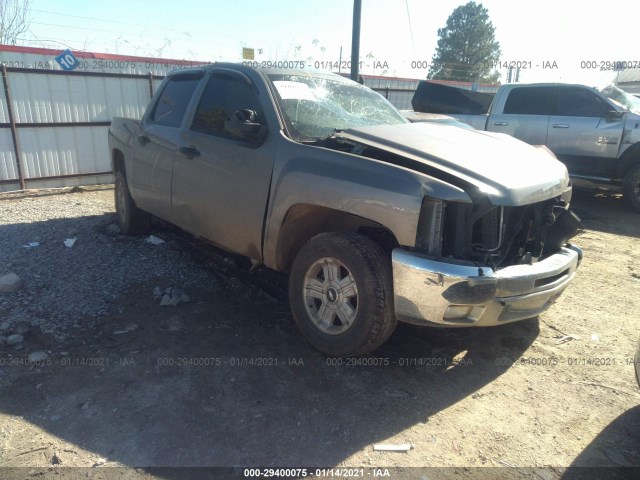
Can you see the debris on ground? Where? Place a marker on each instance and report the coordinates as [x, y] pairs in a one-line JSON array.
[[70, 242], [152, 239], [387, 447], [170, 297], [567, 338], [128, 328]]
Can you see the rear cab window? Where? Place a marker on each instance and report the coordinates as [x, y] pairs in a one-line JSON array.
[[531, 101]]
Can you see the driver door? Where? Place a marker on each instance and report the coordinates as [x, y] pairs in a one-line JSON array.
[[583, 134], [221, 182]]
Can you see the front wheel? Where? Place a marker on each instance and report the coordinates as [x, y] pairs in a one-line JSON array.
[[631, 188], [341, 294], [131, 219]]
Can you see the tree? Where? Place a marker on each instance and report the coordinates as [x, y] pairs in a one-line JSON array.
[[467, 48], [14, 20]]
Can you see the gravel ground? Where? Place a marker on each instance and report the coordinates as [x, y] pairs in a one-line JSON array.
[[126, 382], [102, 263]]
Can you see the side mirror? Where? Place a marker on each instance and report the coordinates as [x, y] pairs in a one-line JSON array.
[[242, 124], [613, 115]]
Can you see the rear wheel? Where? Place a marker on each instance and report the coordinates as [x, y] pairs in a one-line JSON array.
[[631, 188], [131, 219], [341, 294]]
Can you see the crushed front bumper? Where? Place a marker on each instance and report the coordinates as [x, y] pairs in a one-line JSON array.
[[443, 293]]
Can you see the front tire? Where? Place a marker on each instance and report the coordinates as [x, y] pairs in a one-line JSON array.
[[631, 188], [131, 219], [341, 294]]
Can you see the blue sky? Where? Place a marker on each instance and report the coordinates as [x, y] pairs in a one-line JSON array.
[[393, 31]]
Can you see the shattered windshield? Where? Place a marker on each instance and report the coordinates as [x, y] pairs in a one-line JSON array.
[[622, 98], [315, 107]]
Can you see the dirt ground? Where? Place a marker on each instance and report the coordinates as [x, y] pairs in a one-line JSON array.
[[226, 380]]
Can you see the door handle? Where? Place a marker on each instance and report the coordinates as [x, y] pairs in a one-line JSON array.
[[501, 124], [560, 125], [189, 152], [143, 139]]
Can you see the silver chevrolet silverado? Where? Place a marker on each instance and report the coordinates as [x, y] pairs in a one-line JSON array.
[[375, 219]]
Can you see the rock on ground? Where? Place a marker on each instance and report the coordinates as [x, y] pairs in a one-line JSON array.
[[38, 356], [15, 339], [10, 283]]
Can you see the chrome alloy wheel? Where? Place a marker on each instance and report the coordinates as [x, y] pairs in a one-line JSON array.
[[331, 296]]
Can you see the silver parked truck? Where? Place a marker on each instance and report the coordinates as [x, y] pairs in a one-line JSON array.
[[376, 220], [596, 133]]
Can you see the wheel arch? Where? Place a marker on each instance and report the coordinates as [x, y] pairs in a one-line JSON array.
[[629, 160], [304, 221], [117, 161]]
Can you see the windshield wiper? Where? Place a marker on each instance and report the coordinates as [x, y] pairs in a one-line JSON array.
[[327, 140], [331, 136]]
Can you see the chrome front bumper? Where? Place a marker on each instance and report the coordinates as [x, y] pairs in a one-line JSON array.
[[442, 293]]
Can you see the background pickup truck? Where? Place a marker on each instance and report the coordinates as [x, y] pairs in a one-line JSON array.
[[375, 219], [596, 134]]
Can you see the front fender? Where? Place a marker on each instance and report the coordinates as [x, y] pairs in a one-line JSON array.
[[372, 189]]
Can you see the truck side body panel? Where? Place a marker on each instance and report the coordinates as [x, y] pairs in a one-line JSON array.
[[370, 189]]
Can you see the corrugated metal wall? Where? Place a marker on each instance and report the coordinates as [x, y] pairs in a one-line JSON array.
[[66, 150], [7, 158], [399, 91], [43, 96]]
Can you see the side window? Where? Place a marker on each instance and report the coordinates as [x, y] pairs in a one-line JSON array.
[[174, 100], [221, 98], [580, 102], [530, 101]]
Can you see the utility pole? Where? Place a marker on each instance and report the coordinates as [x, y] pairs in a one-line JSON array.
[[355, 40]]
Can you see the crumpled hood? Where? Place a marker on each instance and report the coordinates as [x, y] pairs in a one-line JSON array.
[[508, 171]]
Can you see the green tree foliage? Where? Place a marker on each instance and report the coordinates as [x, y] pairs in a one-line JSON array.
[[467, 47]]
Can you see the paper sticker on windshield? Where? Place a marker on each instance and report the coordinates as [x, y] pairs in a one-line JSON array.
[[294, 90]]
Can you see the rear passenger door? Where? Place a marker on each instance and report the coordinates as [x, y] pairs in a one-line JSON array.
[[525, 114], [582, 133], [157, 140]]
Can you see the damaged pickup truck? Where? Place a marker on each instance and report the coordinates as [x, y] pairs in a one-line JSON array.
[[377, 220]]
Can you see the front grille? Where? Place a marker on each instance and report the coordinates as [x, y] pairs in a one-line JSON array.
[[497, 236]]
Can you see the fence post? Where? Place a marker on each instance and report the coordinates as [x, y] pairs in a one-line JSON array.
[[12, 123], [150, 84]]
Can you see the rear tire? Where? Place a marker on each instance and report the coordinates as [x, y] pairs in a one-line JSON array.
[[631, 188], [131, 219], [341, 294]]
